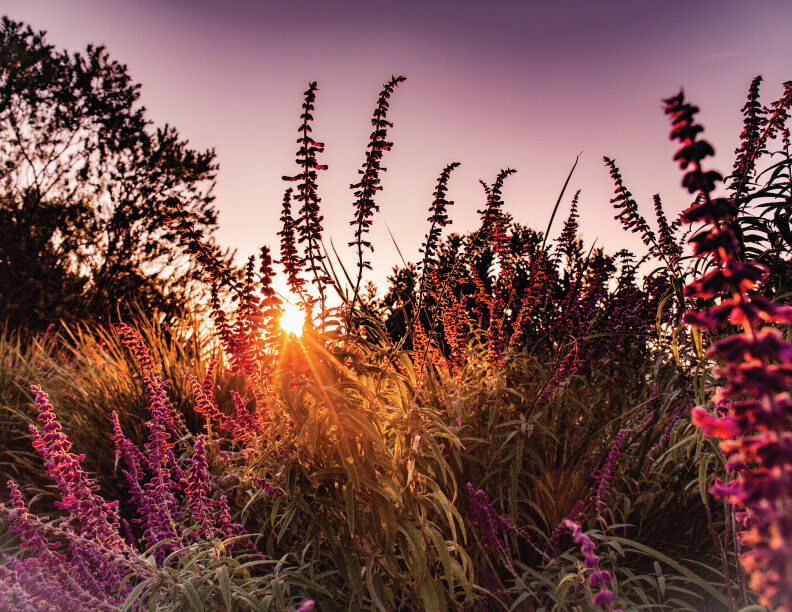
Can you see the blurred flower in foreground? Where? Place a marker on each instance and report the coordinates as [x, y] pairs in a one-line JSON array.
[[757, 370]]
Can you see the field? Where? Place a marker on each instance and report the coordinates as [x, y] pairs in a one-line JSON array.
[[521, 422]]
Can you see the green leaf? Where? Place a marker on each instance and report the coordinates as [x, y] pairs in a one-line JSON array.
[[133, 596], [694, 578], [189, 591], [353, 570], [445, 558], [225, 586], [372, 589]]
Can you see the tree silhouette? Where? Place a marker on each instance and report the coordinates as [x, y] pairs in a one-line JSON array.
[[83, 175]]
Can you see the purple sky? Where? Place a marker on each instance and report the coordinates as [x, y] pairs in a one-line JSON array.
[[526, 85]]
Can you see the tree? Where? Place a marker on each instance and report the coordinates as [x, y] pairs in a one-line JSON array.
[[83, 178]]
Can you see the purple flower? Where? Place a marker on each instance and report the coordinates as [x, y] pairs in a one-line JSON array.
[[607, 473], [492, 524], [574, 515], [269, 489], [98, 519], [197, 488], [757, 369], [160, 507], [598, 578]]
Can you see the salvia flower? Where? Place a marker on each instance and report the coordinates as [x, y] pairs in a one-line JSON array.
[[197, 246], [574, 516], [492, 525], [98, 519], [269, 489], [606, 475], [568, 243], [668, 246], [207, 406], [290, 259], [751, 143], [198, 487], [629, 216], [309, 225], [754, 406], [369, 184], [32, 538], [599, 578], [438, 217]]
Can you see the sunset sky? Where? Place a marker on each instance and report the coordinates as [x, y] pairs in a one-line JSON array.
[[525, 85]]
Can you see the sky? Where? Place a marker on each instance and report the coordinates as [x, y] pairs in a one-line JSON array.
[[524, 84]]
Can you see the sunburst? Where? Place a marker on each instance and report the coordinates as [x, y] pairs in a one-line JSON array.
[[292, 319]]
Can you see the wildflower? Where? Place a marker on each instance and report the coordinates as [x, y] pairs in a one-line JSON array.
[[197, 488], [290, 258], [573, 516], [98, 519], [269, 489], [606, 474], [667, 244], [599, 578], [757, 371], [309, 226], [751, 143], [492, 524], [568, 243], [369, 184], [438, 218], [629, 215]]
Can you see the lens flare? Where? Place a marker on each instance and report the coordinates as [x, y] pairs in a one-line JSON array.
[[292, 319]]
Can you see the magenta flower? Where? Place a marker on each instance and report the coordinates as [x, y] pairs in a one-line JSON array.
[[492, 524], [754, 406], [606, 475], [598, 578], [98, 519]]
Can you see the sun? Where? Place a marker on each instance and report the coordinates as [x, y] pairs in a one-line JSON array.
[[292, 319]]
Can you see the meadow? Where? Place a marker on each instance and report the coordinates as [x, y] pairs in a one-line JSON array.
[[521, 422]]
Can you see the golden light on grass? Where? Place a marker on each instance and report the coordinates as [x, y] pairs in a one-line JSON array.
[[292, 319]]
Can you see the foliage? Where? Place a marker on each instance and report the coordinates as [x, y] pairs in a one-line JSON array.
[[507, 428], [83, 173]]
